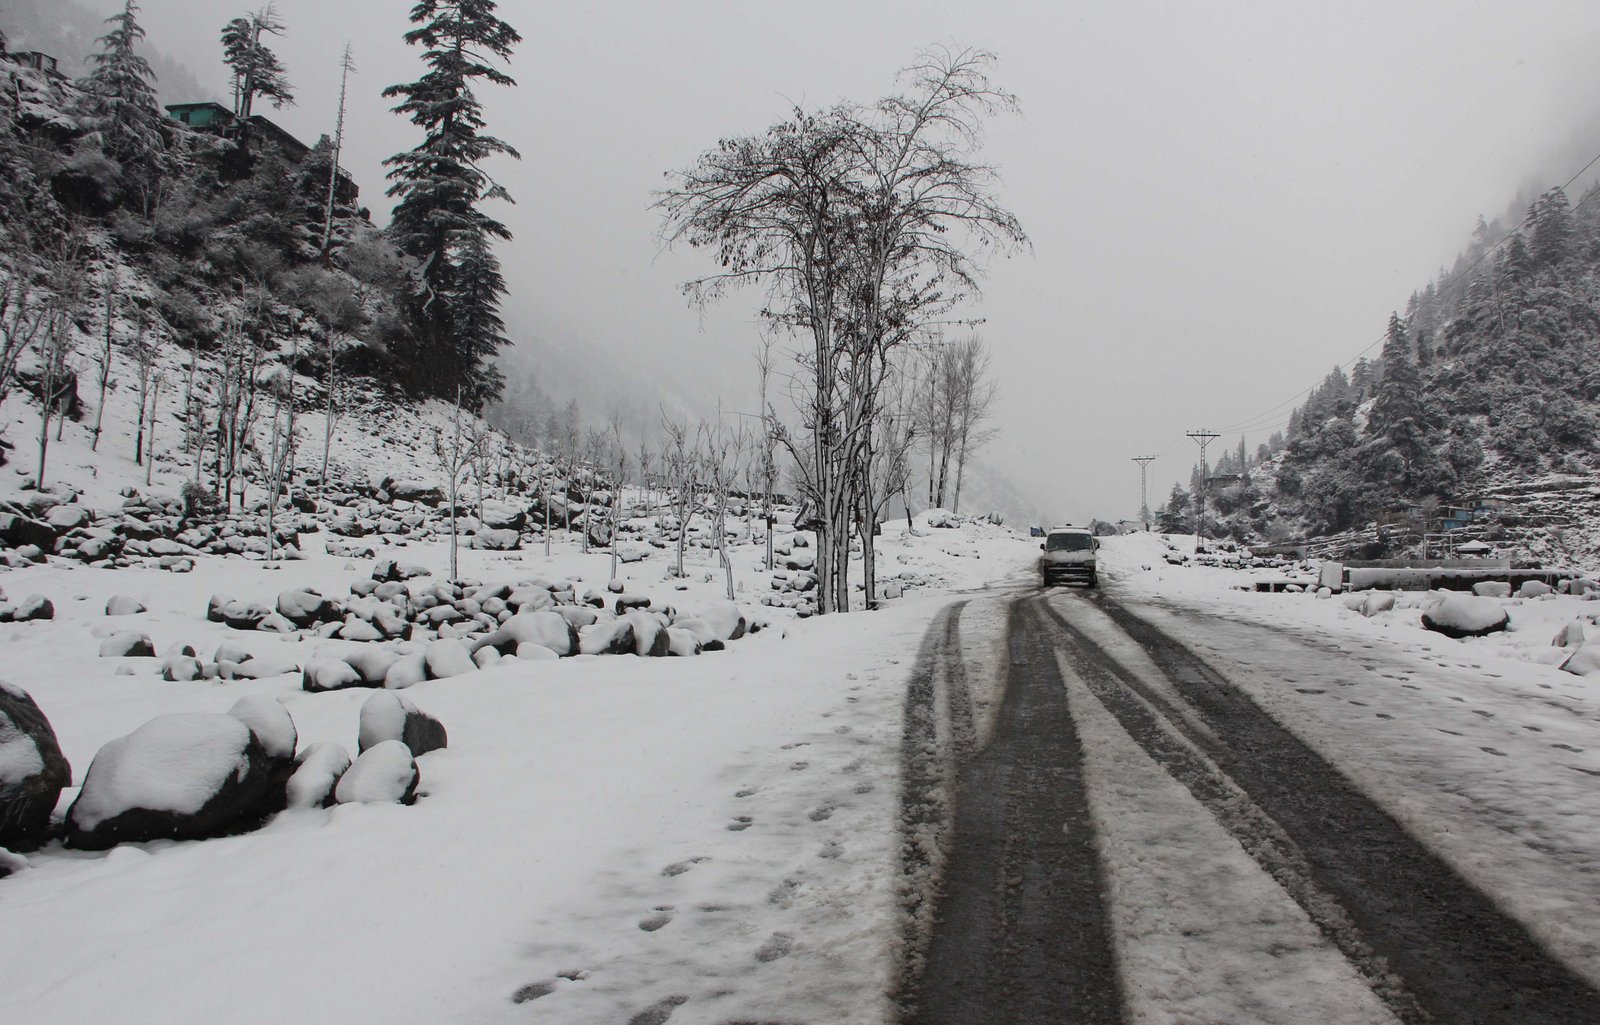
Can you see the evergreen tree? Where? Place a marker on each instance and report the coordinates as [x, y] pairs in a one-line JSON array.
[[1516, 265], [1424, 350], [1552, 240], [256, 69], [117, 104], [456, 326], [1398, 457], [1361, 379]]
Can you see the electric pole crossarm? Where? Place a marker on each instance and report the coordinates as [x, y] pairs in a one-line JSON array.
[[1203, 438]]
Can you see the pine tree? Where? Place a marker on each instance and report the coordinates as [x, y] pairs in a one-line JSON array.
[[456, 326], [256, 69], [117, 104], [1516, 265], [1552, 240], [1397, 454], [1361, 379]]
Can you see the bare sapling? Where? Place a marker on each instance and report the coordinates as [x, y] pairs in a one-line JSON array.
[[455, 449], [721, 455], [150, 455], [680, 468], [144, 360], [103, 359]]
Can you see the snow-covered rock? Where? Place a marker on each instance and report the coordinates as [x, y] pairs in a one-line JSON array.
[[325, 673], [547, 628], [305, 607], [122, 605], [1583, 662], [447, 657], [407, 671], [372, 662], [1465, 615], [179, 776], [34, 608], [1492, 589], [1377, 601], [383, 774], [725, 619], [182, 668], [317, 771], [497, 539], [270, 722], [1534, 589], [127, 644], [32, 770], [1570, 636], [388, 716]]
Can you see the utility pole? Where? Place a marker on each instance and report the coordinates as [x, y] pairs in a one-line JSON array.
[[1144, 501], [1203, 438]]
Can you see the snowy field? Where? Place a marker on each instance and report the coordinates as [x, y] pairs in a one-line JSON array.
[[602, 836]]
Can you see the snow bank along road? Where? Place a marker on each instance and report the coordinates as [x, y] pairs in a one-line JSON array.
[[1140, 834]]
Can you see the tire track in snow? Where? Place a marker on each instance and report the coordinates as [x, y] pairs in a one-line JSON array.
[[1433, 947], [1021, 934]]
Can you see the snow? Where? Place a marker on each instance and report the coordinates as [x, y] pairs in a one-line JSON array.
[[540, 839], [174, 763]]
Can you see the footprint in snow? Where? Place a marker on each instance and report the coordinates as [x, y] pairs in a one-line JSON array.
[[658, 1012], [746, 791], [778, 945], [740, 823], [1383, 715], [795, 744], [841, 730], [1569, 747], [821, 814], [1353, 701], [661, 917], [678, 868], [1309, 690], [1492, 751], [1453, 733], [533, 991], [831, 849], [863, 788], [798, 766], [1533, 729], [1486, 715]]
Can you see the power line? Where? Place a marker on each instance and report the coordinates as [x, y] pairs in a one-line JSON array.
[[1203, 437], [1144, 500]]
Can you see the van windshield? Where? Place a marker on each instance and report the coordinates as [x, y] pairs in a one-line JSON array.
[[1068, 542]]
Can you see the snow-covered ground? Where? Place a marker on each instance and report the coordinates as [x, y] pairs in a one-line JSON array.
[[603, 835]]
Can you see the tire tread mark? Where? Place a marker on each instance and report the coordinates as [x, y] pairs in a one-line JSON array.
[[1458, 956]]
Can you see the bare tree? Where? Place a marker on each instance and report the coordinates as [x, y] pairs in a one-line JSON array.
[[25, 313], [54, 345], [680, 468], [280, 452], [858, 220], [455, 450], [145, 355], [347, 65], [150, 456], [721, 453], [973, 408], [103, 359]]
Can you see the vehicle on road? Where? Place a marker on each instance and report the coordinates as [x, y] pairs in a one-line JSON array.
[[1068, 556]]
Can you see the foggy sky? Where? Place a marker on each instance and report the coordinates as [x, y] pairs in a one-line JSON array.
[[1224, 198]]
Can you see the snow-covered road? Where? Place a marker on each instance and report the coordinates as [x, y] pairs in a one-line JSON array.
[[1293, 825]]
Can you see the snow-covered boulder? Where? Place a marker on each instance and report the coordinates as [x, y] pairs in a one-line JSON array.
[[383, 774], [305, 607], [531, 652], [325, 673], [1377, 601], [274, 728], [317, 771], [1534, 589], [261, 668], [447, 657], [497, 539], [179, 776], [388, 716], [244, 615], [682, 642], [499, 515], [649, 633], [32, 770], [122, 605], [63, 518], [1465, 615], [127, 644], [546, 628], [607, 637], [1583, 662], [1570, 636], [627, 601], [407, 671], [34, 608], [372, 662], [1492, 589], [182, 668], [725, 619]]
